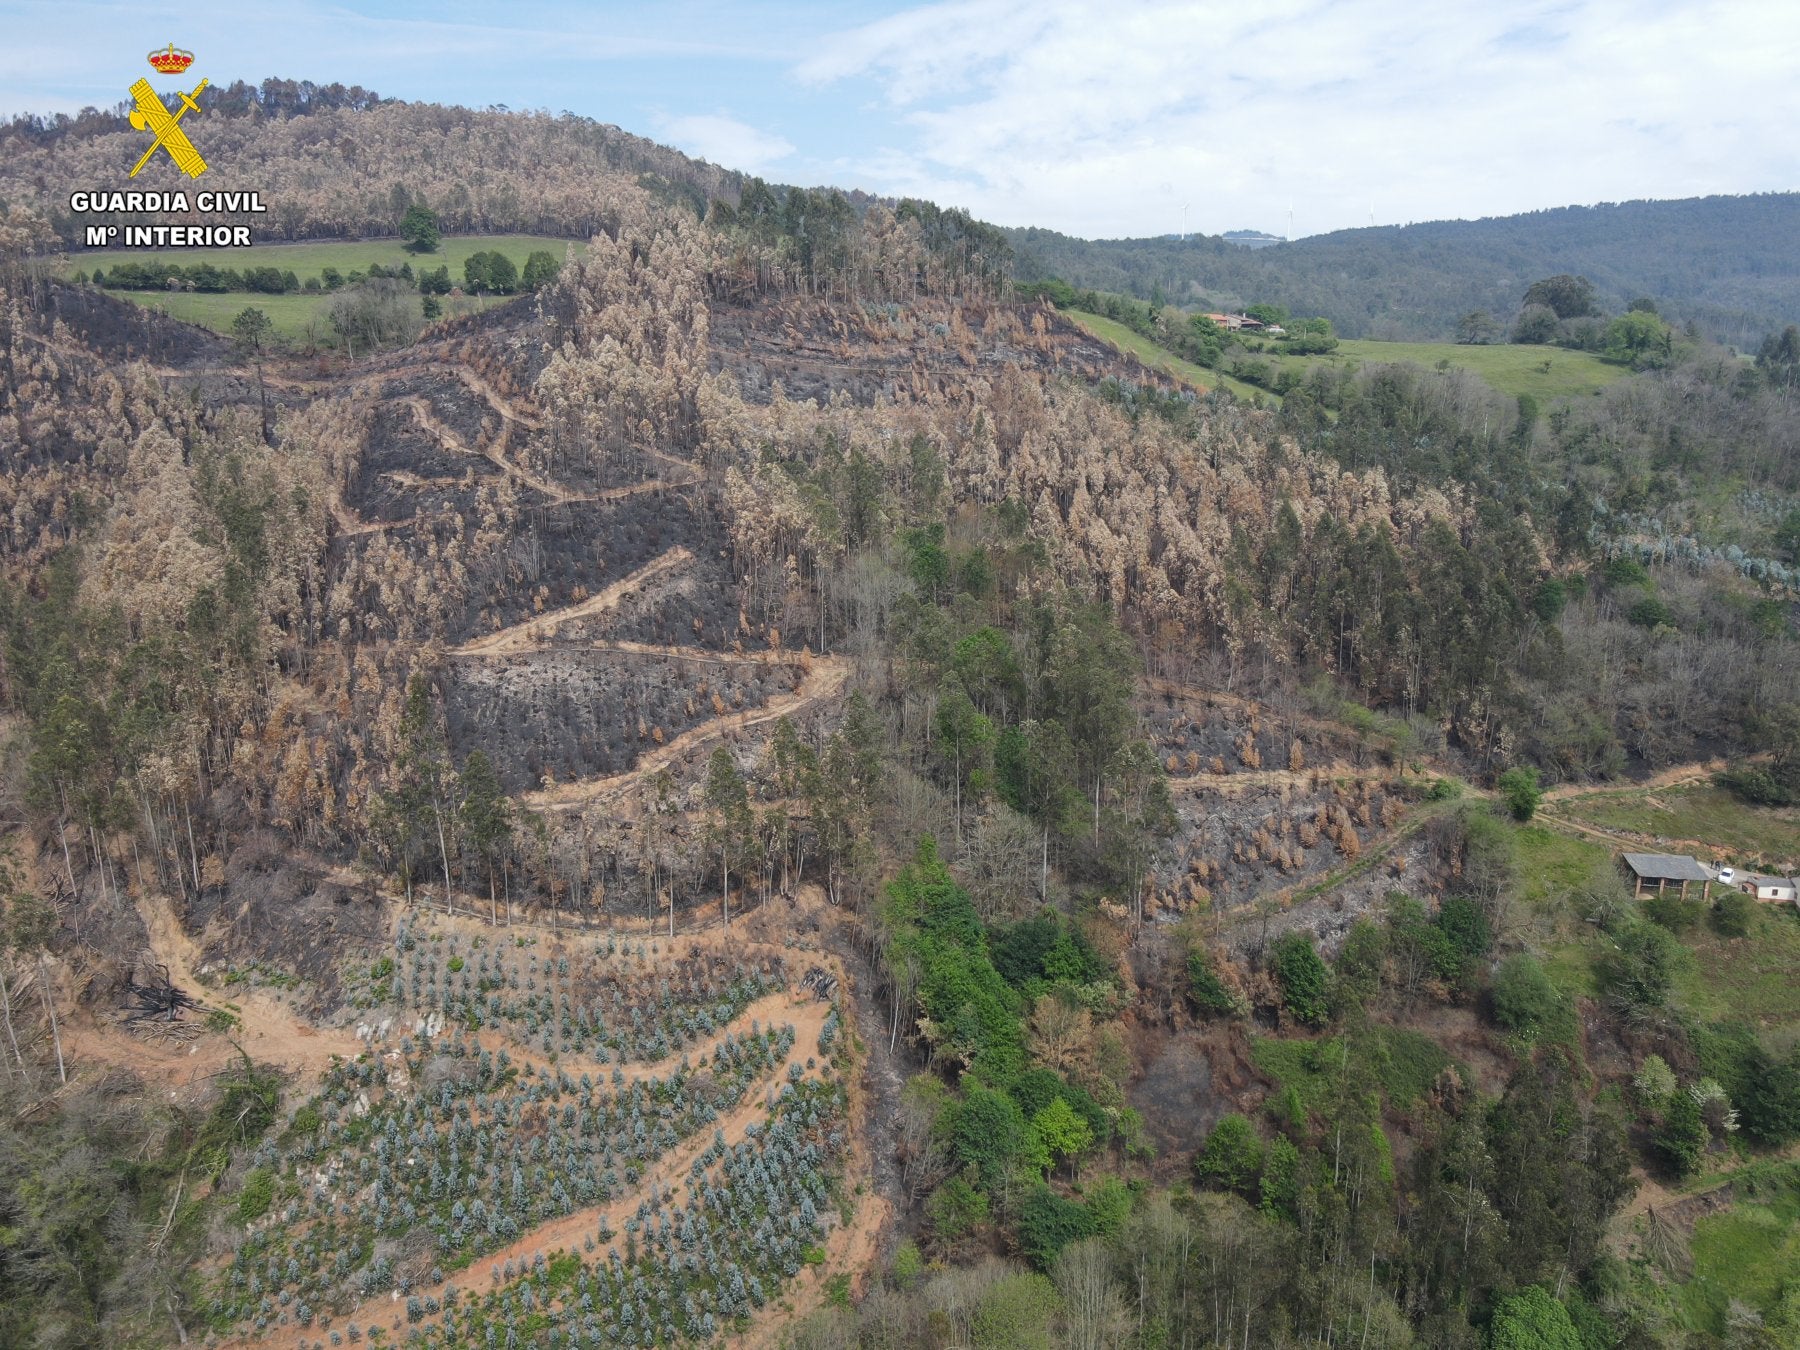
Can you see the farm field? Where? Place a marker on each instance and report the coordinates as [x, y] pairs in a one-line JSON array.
[[1510, 369], [1111, 331], [302, 316]]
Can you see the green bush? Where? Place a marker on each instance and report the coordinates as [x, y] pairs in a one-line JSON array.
[[1524, 999], [1519, 787], [1639, 973], [257, 1194], [1532, 1320], [1734, 914], [1232, 1156], [1757, 786], [1305, 983], [955, 1210], [1047, 1223], [1207, 992], [1682, 1138], [1668, 910]]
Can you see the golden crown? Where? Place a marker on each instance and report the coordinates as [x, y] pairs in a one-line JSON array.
[[172, 60]]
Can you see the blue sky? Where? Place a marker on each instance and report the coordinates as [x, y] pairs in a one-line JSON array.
[[1095, 117]]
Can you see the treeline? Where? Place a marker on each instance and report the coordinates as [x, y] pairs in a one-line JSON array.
[[488, 272], [820, 242], [1726, 263], [272, 98]]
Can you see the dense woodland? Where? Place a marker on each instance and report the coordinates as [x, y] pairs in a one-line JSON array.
[[243, 657], [1724, 263]]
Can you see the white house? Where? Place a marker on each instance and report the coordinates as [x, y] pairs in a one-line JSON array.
[[1775, 890]]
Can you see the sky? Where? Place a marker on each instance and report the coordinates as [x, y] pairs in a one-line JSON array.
[[1099, 118]]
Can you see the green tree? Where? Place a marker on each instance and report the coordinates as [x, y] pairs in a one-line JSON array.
[[251, 332], [1476, 327], [1519, 788], [1232, 1157], [1059, 1133], [1016, 1312], [1565, 296], [1524, 999], [729, 823], [1682, 1137], [1639, 973], [419, 228], [1532, 1320], [955, 1211], [1279, 1185], [502, 274], [987, 1134], [1206, 990], [541, 268], [486, 817], [1305, 982]]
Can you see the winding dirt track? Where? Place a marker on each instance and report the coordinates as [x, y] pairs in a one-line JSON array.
[[824, 681], [531, 634]]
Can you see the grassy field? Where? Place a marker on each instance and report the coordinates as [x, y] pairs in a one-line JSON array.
[[292, 314], [1750, 977], [1117, 335], [1510, 369], [1707, 816], [1747, 1252], [1546, 373]]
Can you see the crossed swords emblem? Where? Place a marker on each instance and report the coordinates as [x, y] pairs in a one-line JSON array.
[[150, 115]]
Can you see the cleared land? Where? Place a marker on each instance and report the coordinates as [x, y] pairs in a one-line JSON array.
[[1706, 816]]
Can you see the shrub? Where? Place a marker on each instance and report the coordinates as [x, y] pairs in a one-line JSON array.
[[1532, 1320], [1304, 981], [1639, 974], [1757, 786], [1047, 1223], [1232, 1156], [1668, 910], [1683, 1136], [1208, 993], [1734, 914], [956, 1209], [1280, 1181], [257, 1194], [1524, 999], [1650, 613], [1519, 787]]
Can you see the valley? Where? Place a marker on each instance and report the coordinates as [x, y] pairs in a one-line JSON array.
[[776, 786]]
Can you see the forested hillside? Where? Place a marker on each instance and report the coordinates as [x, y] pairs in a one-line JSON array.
[[772, 791], [1728, 264]]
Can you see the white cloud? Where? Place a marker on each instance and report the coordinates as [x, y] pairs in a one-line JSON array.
[[725, 141], [1105, 118]]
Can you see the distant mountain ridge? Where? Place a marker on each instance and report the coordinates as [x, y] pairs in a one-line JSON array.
[[1729, 264]]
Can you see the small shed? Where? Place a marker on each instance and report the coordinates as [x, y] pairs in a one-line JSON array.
[[1668, 869], [1773, 890]]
